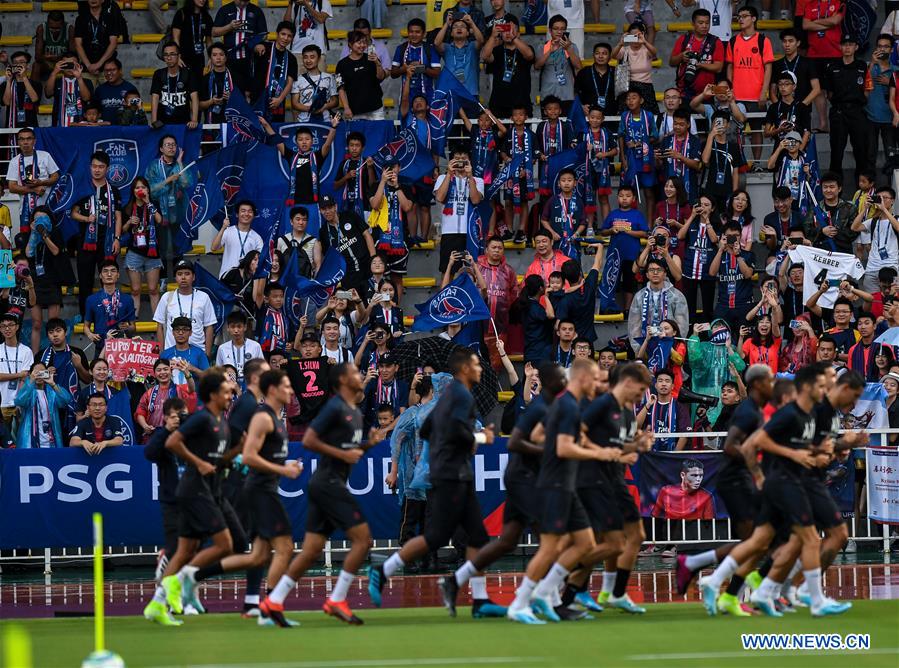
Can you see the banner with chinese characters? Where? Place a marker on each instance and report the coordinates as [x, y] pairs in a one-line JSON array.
[[882, 465]]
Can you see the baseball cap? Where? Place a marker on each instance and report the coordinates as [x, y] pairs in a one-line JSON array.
[[387, 359], [794, 136], [185, 264], [310, 335], [326, 201], [182, 321], [848, 38]]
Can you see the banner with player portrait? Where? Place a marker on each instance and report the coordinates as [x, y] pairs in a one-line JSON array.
[[680, 486]]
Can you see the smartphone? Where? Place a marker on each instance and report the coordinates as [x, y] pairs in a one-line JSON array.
[[631, 39], [566, 35], [796, 241], [505, 27], [43, 375], [343, 294], [795, 324]]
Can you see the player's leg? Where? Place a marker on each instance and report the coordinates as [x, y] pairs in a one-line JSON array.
[[581, 544], [360, 544], [608, 546], [546, 554], [634, 535], [769, 589], [272, 607], [168, 591], [747, 550]]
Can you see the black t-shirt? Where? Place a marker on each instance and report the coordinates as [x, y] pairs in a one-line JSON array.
[[304, 193], [339, 425], [347, 236], [563, 417], [609, 425], [725, 158], [111, 428], [282, 59], [241, 413], [98, 205], [95, 33], [215, 84], [195, 28], [734, 289], [274, 449], [524, 468], [747, 418], [797, 113], [827, 424], [166, 464], [804, 70], [207, 437], [595, 88], [174, 94], [359, 80], [511, 78], [17, 302], [450, 430], [309, 378], [579, 306], [25, 108], [793, 428]]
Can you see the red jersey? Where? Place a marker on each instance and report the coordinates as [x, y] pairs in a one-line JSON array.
[[675, 503]]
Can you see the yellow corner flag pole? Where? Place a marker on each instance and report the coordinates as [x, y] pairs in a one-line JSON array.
[[16, 647], [99, 630]]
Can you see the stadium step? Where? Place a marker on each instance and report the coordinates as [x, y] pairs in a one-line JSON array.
[[139, 327], [772, 24], [16, 40]]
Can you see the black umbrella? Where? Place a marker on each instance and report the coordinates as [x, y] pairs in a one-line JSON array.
[[435, 351]]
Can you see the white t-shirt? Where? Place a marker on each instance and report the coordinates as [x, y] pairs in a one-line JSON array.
[[13, 360], [725, 9], [837, 265], [237, 244], [572, 10], [340, 355], [197, 306], [313, 35], [456, 222], [306, 90], [237, 356], [884, 245], [46, 166]]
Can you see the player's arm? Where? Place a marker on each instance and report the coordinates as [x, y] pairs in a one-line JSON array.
[[176, 443], [518, 442], [603, 453], [261, 426], [312, 441], [735, 436], [568, 448]]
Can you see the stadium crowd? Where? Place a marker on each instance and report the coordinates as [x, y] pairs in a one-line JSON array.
[[658, 215]]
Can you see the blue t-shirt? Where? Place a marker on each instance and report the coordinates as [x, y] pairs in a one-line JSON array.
[[111, 98], [463, 64], [107, 311], [194, 355], [538, 333], [579, 306], [628, 246], [421, 84], [733, 288], [877, 108]]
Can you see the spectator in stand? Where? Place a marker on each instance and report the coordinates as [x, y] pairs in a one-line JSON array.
[[808, 81], [884, 230], [40, 401], [674, 210], [314, 93], [802, 349], [861, 356], [672, 100], [217, 85], [829, 225], [887, 292], [679, 154], [789, 113], [760, 344], [192, 32], [733, 265], [573, 13], [30, 174], [720, 97], [508, 59], [170, 187], [467, 8], [846, 78], [637, 135], [150, 414], [239, 349], [99, 372], [52, 40], [394, 205], [417, 61], [19, 299], [380, 46], [376, 344], [700, 238], [537, 317], [546, 258], [460, 54], [558, 64], [98, 430], [785, 218], [639, 55], [186, 302], [502, 291], [49, 264], [173, 92], [309, 19], [70, 91], [108, 309], [456, 191], [239, 240], [20, 93], [739, 212], [595, 84], [577, 301], [890, 383], [721, 12], [110, 95], [499, 14], [359, 78], [16, 361], [141, 222], [723, 159], [307, 247], [698, 56], [658, 247], [381, 386], [70, 365], [187, 360], [657, 302], [383, 309], [275, 73], [97, 31], [627, 226], [237, 23], [823, 23], [878, 88], [355, 244], [132, 112]]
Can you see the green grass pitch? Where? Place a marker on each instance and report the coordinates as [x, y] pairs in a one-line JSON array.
[[668, 635]]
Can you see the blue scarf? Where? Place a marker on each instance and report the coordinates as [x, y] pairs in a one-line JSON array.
[[392, 242], [352, 191], [276, 78], [105, 219], [154, 394], [273, 333], [567, 215], [552, 141], [41, 222], [597, 167], [644, 308], [517, 191], [670, 424], [227, 87], [638, 159], [29, 200], [483, 149]]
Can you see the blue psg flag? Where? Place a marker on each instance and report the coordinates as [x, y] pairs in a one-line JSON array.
[[299, 290], [572, 158], [61, 198], [457, 302], [535, 14], [658, 351], [241, 121], [119, 405], [608, 281], [577, 118], [505, 173], [219, 294], [449, 96], [414, 159]]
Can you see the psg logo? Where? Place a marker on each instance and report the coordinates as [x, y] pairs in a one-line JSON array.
[[319, 132], [124, 160], [231, 178], [402, 149], [198, 206], [241, 126], [451, 306], [62, 193]]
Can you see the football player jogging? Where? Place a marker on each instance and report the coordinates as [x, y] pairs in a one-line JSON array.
[[523, 503], [841, 396], [611, 426], [450, 431], [265, 453], [738, 486], [563, 514], [611, 423], [336, 435], [786, 443], [201, 443]]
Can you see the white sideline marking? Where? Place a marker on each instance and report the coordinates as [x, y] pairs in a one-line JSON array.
[[692, 656], [375, 663]]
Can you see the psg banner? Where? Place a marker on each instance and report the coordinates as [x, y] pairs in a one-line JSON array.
[[680, 487], [49, 495]]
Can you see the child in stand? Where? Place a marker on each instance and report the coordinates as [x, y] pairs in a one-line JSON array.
[[414, 114], [520, 188], [866, 185], [601, 146], [563, 215], [553, 136], [273, 328], [637, 133], [791, 170], [355, 177], [483, 141]]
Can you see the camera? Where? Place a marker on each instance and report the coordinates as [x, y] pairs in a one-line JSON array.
[[690, 397], [631, 39], [795, 324], [875, 199], [661, 240], [653, 330], [379, 336], [43, 375], [732, 239], [22, 271], [692, 68], [67, 66], [796, 241], [135, 102]]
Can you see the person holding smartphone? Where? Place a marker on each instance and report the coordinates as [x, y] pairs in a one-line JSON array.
[[457, 191], [383, 308], [734, 268], [40, 401]]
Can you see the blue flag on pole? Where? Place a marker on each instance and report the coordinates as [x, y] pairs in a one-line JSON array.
[[572, 158], [535, 14], [414, 159], [241, 121], [219, 294], [61, 198], [505, 173], [299, 290], [119, 406], [608, 281], [457, 302], [658, 351], [577, 118], [449, 96]]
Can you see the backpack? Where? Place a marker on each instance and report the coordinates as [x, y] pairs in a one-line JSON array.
[[761, 43], [304, 266]]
